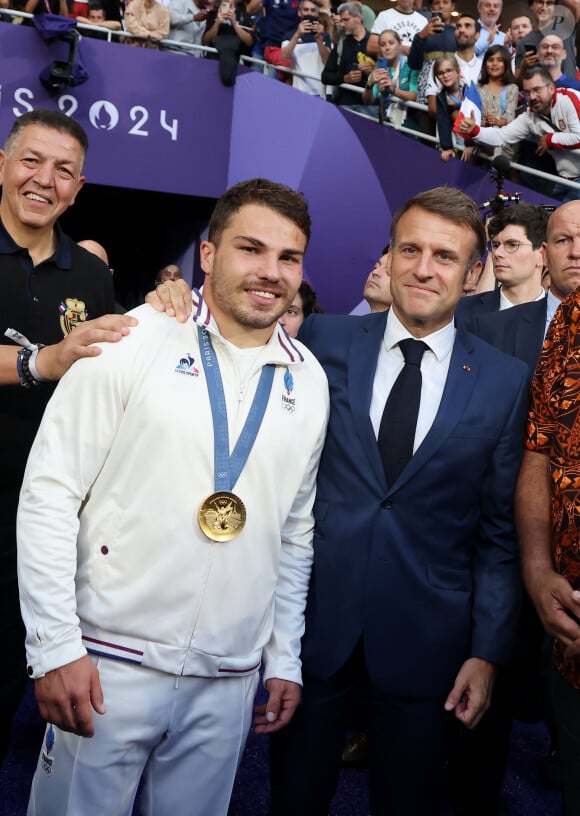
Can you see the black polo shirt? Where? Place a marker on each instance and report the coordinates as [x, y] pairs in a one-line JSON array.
[[44, 303]]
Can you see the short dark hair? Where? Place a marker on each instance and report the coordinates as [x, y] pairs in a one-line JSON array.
[[508, 76], [534, 221], [310, 304], [452, 204], [471, 17], [49, 119], [538, 71], [284, 200]]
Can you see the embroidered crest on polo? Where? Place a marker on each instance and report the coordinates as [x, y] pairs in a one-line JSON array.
[[288, 402], [186, 366], [72, 312], [46, 760]]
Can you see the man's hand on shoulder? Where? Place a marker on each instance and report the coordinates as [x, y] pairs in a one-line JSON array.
[[66, 696], [55, 360], [470, 696], [283, 700], [172, 297]]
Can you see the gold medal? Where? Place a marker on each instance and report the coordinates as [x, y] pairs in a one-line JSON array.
[[222, 516]]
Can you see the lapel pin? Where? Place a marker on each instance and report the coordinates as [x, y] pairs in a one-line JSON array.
[[466, 368]]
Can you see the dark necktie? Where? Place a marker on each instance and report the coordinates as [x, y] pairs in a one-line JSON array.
[[399, 420]]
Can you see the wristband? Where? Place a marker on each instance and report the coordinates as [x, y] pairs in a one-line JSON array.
[[24, 375], [26, 359], [32, 364]]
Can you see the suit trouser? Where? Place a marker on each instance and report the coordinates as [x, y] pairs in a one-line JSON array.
[[185, 735], [408, 741], [566, 708]]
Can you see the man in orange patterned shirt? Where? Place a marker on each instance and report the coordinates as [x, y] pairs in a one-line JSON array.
[[548, 496]]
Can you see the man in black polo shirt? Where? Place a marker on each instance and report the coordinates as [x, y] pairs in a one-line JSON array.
[[50, 286]]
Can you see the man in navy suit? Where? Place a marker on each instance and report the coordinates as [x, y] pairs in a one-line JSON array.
[[516, 235], [415, 587], [520, 331]]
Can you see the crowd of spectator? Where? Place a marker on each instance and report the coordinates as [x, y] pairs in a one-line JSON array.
[[376, 64]]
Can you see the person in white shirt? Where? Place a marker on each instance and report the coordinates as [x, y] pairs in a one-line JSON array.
[[146, 630], [308, 49], [403, 19]]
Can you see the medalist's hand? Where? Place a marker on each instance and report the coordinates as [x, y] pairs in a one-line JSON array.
[[172, 297], [67, 696], [54, 361], [283, 700]]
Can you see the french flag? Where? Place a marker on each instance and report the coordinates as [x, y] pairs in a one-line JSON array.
[[471, 106]]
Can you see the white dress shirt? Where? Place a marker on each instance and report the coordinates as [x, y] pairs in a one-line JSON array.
[[434, 368]]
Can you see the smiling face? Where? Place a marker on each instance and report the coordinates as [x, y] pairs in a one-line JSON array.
[[489, 11], [543, 12], [389, 46], [551, 51], [430, 263], [253, 274], [562, 249], [447, 74], [40, 177], [495, 67]]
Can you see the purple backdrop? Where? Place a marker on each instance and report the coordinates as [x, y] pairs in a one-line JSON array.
[[159, 121]]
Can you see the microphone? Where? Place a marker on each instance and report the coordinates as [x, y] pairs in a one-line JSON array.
[[501, 165], [499, 168]]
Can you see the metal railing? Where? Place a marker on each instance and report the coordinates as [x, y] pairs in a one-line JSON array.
[[271, 70]]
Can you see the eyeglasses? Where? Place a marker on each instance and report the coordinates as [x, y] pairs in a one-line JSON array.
[[544, 3], [535, 90], [510, 246], [446, 71]]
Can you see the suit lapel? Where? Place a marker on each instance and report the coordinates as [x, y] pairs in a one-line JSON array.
[[461, 379], [362, 364]]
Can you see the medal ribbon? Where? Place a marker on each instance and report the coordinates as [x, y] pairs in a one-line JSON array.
[[228, 468]]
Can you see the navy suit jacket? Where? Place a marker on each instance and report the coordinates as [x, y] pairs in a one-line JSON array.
[[472, 305], [518, 331], [426, 569]]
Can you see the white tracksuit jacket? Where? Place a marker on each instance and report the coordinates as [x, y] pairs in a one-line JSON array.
[[563, 130], [111, 557]]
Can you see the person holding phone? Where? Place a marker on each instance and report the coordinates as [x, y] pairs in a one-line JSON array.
[[308, 48], [349, 61], [233, 19], [544, 22], [391, 80]]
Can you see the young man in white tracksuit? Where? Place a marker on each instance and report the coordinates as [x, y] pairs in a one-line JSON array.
[[165, 533]]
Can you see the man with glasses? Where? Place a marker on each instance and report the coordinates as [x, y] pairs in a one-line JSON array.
[[545, 21], [551, 54], [516, 237], [552, 120]]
